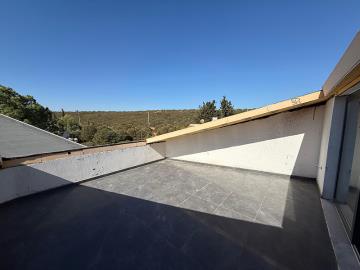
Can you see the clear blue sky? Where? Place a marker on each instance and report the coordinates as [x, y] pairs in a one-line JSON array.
[[139, 55]]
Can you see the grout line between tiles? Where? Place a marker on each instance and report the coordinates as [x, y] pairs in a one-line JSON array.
[[192, 194], [261, 204], [220, 204]]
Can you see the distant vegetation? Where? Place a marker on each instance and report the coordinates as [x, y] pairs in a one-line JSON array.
[[106, 127], [134, 125], [25, 108], [208, 110]]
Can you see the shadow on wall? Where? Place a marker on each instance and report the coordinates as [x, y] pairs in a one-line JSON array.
[[78, 227], [286, 143], [73, 169]]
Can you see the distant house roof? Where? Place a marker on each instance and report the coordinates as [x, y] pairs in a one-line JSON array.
[[20, 139]]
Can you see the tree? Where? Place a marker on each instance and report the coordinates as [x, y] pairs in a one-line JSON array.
[[226, 108], [126, 137], [88, 132], [131, 131], [67, 124], [25, 108], [105, 135], [207, 111]]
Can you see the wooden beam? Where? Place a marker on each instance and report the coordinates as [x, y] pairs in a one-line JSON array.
[[309, 99], [350, 79]]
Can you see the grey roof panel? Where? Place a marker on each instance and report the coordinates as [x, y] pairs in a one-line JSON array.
[[19, 139]]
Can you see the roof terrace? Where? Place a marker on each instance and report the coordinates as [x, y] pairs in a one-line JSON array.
[[170, 215], [243, 192]]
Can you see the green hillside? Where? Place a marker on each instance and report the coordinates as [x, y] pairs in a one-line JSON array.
[[135, 123], [107, 127]]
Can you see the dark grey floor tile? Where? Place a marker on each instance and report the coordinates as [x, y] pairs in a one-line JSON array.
[[128, 220], [172, 196], [213, 193], [197, 204], [246, 207], [269, 217], [225, 212]]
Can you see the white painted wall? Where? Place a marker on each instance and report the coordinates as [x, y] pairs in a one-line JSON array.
[[24, 180], [287, 143], [330, 146], [324, 143]]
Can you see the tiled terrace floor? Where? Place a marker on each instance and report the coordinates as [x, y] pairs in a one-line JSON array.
[[169, 215]]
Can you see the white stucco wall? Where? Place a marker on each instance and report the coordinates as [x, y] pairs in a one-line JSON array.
[[287, 143], [330, 147], [324, 143], [24, 180]]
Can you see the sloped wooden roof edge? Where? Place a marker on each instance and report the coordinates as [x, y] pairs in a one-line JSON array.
[[350, 79], [346, 73], [297, 102]]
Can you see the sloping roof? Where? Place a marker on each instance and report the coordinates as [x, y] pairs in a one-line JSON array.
[[346, 72], [20, 139], [306, 100]]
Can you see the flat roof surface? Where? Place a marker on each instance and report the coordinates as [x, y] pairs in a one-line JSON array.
[[170, 215], [19, 139]]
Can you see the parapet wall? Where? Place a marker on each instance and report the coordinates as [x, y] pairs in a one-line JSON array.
[[31, 178], [286, 143]]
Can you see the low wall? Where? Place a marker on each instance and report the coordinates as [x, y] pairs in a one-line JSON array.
[[287, 143], [28, 179]]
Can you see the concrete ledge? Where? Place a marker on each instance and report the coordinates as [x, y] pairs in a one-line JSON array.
[[24, 180], [43, 157], [344, 252], [77, 183]]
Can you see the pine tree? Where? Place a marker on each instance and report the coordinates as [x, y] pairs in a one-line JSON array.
[[226, 108], [207, 111]]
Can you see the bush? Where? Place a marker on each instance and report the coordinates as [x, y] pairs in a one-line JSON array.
[[67, 124], [88, 132], [105, 135]]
